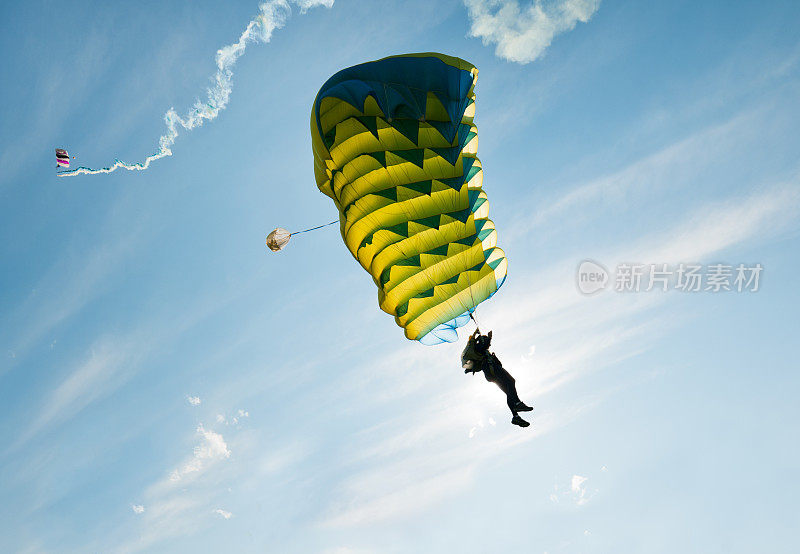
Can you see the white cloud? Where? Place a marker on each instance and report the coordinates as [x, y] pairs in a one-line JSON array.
[[398, 471], [69, 285], [578, 489], [400, 501], [193, 400], [223, 513], [577, 483], [522, 34], [212, 448], [175, 503], [102, 372], [240, 415], [137, 508], [305, 5]]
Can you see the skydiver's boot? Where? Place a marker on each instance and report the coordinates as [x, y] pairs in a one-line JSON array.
[[520, 406], [516, 420]]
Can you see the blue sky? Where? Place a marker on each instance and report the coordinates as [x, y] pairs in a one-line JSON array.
[[168, 385]]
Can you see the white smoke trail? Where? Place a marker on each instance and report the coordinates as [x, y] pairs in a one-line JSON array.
[[272, 15]]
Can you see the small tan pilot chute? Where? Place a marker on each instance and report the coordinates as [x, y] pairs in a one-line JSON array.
[[278, 239]]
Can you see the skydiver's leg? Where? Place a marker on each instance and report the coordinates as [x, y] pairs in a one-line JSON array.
[[495, 373], [508, 385]]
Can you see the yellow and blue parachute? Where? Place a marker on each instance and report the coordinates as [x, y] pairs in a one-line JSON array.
[[395, 149]]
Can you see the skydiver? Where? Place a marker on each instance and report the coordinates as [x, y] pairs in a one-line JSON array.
[[476, 357]]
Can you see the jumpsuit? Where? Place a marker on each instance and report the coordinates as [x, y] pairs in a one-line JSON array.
[[493, 370], [495, 373]]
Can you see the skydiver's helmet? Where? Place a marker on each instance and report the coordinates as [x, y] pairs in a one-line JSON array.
[[482, 342]]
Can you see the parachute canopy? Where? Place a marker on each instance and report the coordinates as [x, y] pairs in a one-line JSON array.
[[278, 239], [62, 157], [395, 149]]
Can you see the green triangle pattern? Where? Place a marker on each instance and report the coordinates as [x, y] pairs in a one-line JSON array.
[[370, 122], [413, 261], [421, 98], [445, 128], [451, 281], [450, 154], [402, 309], [409, 128], [330, 138], [380, 156], [484, 233], [463, 131], [389, 194], [422, 187], [454, 183], [461, 215], [471, 135], [433, 222], [367, 241], [467, 163], [438, 251], [399, 229], [414, 155], [473, 170], [425, 294]]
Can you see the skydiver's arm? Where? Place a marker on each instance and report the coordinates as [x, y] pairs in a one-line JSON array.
[[471, 367]]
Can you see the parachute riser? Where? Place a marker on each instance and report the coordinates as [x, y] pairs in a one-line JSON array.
[[314, 228], [472, 317]]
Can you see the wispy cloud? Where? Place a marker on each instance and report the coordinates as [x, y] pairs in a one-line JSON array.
[[234, 420], [137, 508], [176, 503], [397, 470], [112, 360], [223, 514], [103, 371], [212, 448], [675, 166], [193, 400], [578, 488], [69, 284], [522, 34]]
